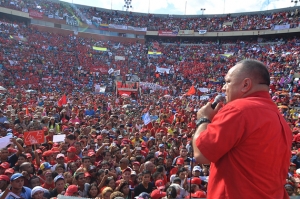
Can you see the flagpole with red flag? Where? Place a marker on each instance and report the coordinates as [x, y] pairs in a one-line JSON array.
[[62, 101]]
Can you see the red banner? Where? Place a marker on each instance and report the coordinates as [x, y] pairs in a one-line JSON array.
[[168, 33], [35, 14], [34, 137], [99, 69]]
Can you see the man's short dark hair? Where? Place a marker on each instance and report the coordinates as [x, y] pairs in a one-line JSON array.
[[71, 137], [85, 158], [145, 172], [78, 174], [257, 70]]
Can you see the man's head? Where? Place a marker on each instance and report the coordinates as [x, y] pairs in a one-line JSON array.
[[124, 162], [59, 182], [4, 181], [4, 153], [26, 166], [80, 178], [146, 176], [86, 162], [149, 166], [246, 77], [17, 181], [34, 181]]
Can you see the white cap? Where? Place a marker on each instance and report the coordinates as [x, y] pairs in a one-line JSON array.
[[36, 189], [197, 168]]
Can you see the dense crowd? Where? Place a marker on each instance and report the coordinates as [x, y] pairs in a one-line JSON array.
[[217, 23], [108, 151]]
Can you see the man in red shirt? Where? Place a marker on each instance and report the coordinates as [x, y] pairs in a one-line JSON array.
[[247, 141], [71, 156]]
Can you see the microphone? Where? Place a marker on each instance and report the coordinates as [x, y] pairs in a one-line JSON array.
[[218, 99]]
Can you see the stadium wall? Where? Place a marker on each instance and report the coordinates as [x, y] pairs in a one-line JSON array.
[[87, 35]]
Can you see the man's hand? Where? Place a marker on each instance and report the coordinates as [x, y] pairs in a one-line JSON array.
[[13, 140], [208, 112]]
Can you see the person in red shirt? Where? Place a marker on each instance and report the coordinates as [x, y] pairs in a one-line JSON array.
[[125, 177], [49, 183], [245, 138], [49, 137], [154, 129], [71, 156]]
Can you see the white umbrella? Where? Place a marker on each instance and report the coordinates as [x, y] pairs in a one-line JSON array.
[[2, 88]]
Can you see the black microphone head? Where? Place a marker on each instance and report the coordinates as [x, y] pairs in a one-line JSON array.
[[219, 98]]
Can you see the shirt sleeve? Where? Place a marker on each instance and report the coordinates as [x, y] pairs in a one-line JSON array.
[[223, 134], [13, 159]]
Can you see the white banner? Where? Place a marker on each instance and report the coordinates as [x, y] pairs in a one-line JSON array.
[[97, 88], [24, 10], [146, 118], [98, 19], [281, 27], [110, 71], [152, 86], [117, 26], [136, 28], [162, 70], [204, 97], [72, 21], [119, 58], [202, 32], [117, 72], [203, 90], [102, 89]]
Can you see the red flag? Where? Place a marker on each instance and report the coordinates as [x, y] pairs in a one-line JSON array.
[[191, 91], [62, 101]]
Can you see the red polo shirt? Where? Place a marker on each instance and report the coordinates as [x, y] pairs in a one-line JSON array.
[[248, 143]]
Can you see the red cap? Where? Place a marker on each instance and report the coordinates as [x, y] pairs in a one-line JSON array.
[[11, 150], [127, 169], [136, 162], [87, 174], [47, 153], [292, 164], [157, 194], [90, 154], [5, 165], [28, 155], [4, 177], [71, 190], [39, 151], [160, 184], [72, 149], [180, 161], [196, 181], [198, 194], [9, 171]]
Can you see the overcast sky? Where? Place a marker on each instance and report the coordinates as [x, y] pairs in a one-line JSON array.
[[191, 7]]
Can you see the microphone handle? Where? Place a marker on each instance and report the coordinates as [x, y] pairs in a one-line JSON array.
[[214, 104]]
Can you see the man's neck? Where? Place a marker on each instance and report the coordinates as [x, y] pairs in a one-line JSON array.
[[81, 187], [145, 184], [16, 191]]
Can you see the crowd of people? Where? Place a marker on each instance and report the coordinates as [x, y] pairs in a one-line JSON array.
[[91, 15], [108, 151]]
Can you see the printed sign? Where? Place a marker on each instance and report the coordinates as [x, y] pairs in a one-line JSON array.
[[167, 33], [35, 14], [34, 137]]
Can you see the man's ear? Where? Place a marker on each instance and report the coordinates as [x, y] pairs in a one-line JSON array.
[[246, 85]]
